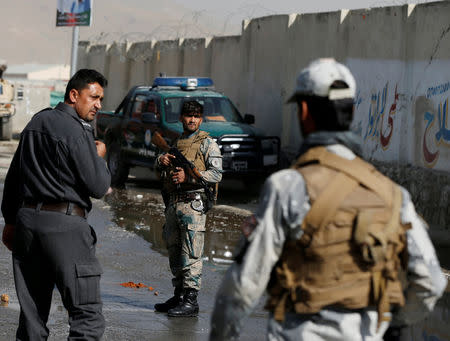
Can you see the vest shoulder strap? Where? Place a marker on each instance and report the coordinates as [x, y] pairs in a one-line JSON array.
[[191, 141], [362, 172], [202, 135]]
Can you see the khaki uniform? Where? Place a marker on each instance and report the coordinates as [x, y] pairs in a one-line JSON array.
[[284, 205], [184, 229]]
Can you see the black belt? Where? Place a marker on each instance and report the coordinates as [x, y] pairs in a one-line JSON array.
[[68, 208], [184, 196]]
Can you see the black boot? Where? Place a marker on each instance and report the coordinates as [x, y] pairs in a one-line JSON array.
[[172, 302], [189, 307]]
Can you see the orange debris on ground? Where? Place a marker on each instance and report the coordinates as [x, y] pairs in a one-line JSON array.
[[4, 298], [136, 285]]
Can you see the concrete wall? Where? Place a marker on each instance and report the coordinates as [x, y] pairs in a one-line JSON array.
[[118, 78], [263, 42], [225, 71], [400, 57], [167, 58], [140, 56], [195, 57]]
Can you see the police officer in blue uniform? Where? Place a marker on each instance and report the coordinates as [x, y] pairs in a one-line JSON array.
[[56, 169]]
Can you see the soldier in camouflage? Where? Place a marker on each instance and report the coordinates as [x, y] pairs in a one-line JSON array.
[[184, 230]]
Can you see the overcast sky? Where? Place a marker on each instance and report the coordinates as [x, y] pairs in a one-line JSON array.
[[29, 33]]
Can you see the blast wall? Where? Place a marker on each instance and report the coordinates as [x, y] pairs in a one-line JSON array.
[[400, 57]]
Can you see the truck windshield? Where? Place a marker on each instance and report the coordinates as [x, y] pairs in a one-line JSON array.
[[217, 109]]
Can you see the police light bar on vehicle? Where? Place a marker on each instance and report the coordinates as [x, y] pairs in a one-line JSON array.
[[188, 83]]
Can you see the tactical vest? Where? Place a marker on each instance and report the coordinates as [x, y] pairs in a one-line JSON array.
[[190, 148], [353, 250]]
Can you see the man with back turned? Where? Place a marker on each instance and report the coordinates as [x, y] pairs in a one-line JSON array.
[[57, 167], [338, 246]]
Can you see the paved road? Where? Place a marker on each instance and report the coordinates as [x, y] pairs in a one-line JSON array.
[[128, 226], [128, 256]]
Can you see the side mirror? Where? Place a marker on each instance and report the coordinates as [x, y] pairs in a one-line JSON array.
[[150, 117], [249, 119]]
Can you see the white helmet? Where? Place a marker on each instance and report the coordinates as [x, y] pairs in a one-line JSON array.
[[316, 80]]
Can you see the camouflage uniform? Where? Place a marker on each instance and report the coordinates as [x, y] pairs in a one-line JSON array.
[[184, 230], [184, 234]]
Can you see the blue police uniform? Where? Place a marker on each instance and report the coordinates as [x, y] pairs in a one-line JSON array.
[[53, 174]]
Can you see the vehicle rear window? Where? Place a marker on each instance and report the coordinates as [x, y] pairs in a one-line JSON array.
[[215, 109]]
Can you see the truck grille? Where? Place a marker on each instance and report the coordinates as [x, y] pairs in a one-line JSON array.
[[242, 153]]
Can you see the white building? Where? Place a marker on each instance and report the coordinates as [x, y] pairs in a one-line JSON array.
[[39, 72]]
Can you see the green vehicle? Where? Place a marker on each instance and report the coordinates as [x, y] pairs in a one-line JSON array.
[[147, 113]]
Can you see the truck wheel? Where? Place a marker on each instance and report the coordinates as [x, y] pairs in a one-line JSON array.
[[119, 169], [5, 128]]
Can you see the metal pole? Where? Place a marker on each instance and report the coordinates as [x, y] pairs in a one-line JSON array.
[[73, 59]]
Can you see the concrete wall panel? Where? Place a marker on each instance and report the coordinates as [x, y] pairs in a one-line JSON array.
[[430, 102], [309, 36], [83, 55], [195, 57], [376, 33], [97, 58], [428, 31], [380, 104], [264, 69], [118, 76], [226, 67], [166, 58], [140, 56]]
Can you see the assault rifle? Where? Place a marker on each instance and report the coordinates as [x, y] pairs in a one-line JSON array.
[[189, 168], [181, 161]]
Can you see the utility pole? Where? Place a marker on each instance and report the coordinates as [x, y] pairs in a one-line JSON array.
[[74, 56]]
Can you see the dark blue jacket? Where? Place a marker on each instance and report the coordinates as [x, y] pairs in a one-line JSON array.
[[56, 161]]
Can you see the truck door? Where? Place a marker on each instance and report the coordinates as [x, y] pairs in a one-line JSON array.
[[151, 122], [132, 127], [143, 121]]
